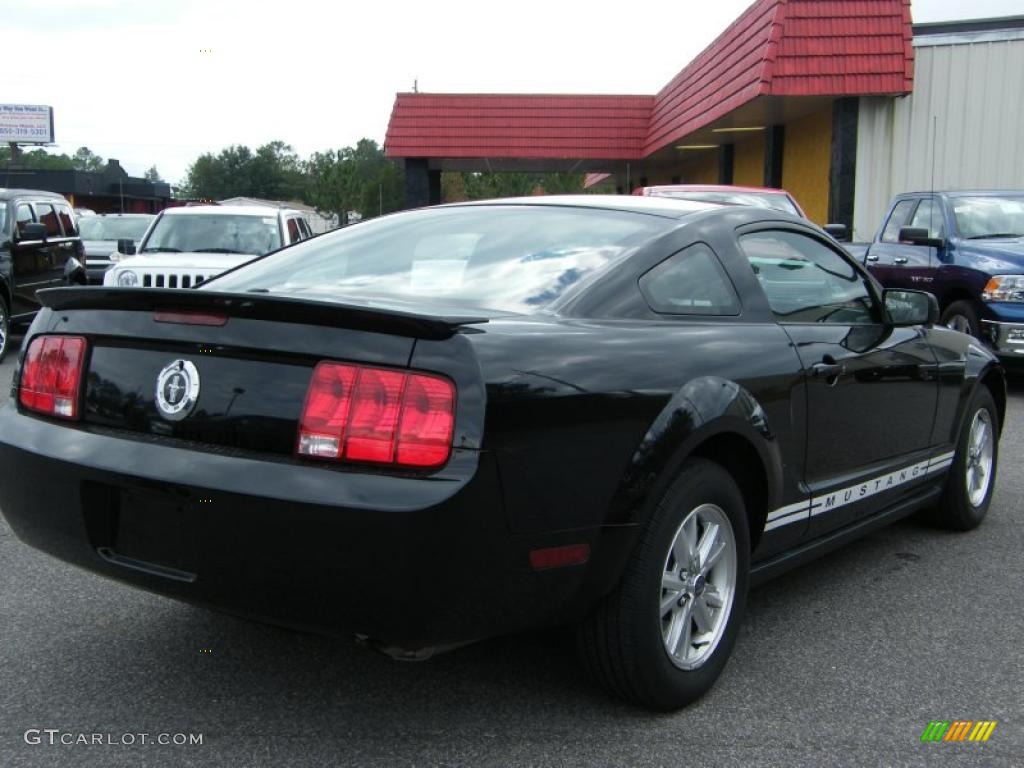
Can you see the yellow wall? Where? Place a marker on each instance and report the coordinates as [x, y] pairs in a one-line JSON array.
[[806, 157], [748, 162], [702, 169]]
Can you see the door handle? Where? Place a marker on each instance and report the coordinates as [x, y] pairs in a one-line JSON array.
[[872, 257], [828, 370], [900, 260]]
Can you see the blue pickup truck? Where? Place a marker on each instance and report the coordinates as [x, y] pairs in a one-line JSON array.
[[965, 247]]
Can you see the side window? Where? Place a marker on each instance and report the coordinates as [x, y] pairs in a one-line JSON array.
[[67, 220], [48, 216], [293, 231], [23, 217], [692, 282], [806, 281], [304, 229], [900, 216], [928, 216]]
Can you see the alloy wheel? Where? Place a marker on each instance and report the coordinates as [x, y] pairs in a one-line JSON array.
[[978, 470], [698, 585]]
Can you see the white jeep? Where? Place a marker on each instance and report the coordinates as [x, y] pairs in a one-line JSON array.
[[189, 245]]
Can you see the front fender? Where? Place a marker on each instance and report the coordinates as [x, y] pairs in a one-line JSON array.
[[702, 409]]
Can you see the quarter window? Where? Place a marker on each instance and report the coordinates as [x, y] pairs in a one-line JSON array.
[[48, 216], [806, 281], [898, 219], [692, 282], [293, 231]]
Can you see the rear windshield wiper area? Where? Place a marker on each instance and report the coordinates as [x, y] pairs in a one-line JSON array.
[[161, 249]]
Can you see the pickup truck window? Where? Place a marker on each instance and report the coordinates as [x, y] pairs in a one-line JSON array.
[[928, 216], [989, 216], [899, 217], [48, 216], [24, 216], [806, 281]]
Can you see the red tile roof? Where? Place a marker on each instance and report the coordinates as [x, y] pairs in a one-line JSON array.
[[528, 126], [776, 48]]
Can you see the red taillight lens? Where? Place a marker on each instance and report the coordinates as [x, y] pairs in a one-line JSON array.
[[52, 374], [359, 413]]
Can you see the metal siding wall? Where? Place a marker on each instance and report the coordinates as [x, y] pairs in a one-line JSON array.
[[976, 90]]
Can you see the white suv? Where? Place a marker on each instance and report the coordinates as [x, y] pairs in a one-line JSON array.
[[187, 246]]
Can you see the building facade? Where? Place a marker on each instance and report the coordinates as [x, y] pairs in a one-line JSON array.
[[824, 98]]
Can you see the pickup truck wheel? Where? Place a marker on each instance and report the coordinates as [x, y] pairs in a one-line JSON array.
[[663, 636], [972, 475], [962, 316], [5, 328]]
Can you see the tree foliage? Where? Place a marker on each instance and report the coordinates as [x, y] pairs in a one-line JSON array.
[[152, 174], [39, 159], [456, 187]]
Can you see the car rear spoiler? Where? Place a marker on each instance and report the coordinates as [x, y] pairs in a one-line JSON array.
[[261, 306]]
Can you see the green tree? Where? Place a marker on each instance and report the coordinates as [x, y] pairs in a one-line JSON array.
[[152, 174], [85, 159]]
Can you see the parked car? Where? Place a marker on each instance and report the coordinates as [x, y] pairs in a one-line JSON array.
[[462, 421], [965, 247], [102, 235], [729, 194], [185, 246], [39, 248]]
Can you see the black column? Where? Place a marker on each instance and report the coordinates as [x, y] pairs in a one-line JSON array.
[[726, 152], [842, 173], [433, 187], [417, 182], [774, 140]]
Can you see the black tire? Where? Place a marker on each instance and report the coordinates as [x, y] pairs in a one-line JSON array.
[[5, 328], [955, 510], [963, 316], [621, 643]]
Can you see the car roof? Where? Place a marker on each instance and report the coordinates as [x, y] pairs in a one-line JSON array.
[[226, 210], [658, 206], [8, 194]]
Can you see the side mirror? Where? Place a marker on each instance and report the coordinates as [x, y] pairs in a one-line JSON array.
[[919, 236], [74, 272], [126, 246], [32, 231], [839, 232], [910, 307]]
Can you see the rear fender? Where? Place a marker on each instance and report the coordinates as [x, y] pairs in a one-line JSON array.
[[700, 410]]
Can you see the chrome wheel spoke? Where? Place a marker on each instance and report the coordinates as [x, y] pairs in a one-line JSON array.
[[698, 584], [978, 469], [702, 616]]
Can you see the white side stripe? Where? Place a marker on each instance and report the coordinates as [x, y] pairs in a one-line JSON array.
[[793, 513]]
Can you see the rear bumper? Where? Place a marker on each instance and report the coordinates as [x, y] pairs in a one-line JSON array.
[[412, 562]]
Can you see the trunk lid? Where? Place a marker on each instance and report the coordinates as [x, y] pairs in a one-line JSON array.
[[253, 367]]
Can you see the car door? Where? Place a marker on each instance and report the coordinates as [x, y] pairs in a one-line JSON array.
[[897, 264], [60, 245], [30, 263], [871, 388]]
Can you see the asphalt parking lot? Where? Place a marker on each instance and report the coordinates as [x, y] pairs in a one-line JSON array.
[[843, 662]]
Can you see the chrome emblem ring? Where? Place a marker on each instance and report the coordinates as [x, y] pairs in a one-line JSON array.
[[177, 390]]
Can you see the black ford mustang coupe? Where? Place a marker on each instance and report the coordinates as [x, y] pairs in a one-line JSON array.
[[446, 424]]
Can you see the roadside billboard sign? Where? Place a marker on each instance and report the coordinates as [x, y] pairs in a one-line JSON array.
[[26, 124]]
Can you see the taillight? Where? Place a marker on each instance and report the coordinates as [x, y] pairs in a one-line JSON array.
[[51, 376], [378, 415]]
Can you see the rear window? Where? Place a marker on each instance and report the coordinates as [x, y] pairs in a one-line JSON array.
[[512, 258], [67, 220], [113, 227], [46, 215]]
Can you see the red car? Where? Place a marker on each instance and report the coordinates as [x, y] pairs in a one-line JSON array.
[[757, 197]]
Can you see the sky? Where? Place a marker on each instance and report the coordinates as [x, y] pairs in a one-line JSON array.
[[160, 83]]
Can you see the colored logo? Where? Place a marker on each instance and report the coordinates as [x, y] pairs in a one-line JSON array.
[[958, 730]]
